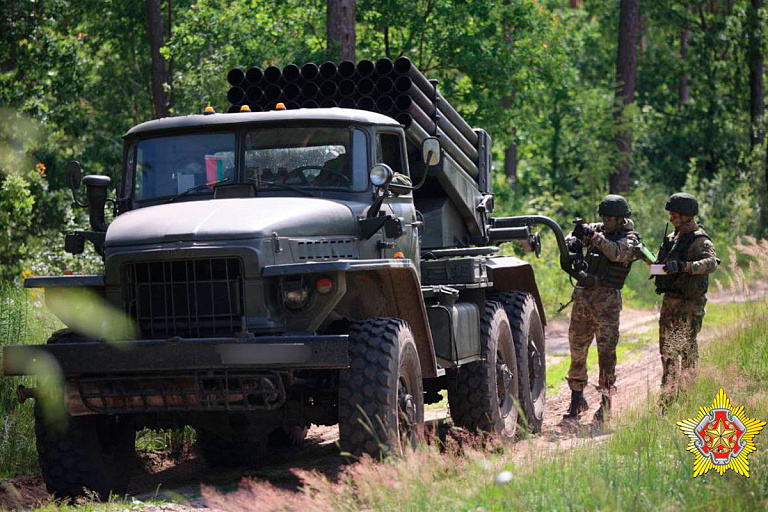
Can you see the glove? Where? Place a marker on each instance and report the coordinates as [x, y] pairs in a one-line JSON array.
[[583, 232], [674, 267], [574, 245]]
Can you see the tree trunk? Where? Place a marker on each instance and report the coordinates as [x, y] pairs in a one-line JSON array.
[[626, 71], [510, 161], [683, 87], [756, 90], [340, 28], [159, 75]]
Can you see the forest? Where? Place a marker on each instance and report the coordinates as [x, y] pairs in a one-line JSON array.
[[581, 97]]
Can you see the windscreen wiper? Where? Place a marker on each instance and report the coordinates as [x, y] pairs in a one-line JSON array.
[[280, 185], [198, 188]]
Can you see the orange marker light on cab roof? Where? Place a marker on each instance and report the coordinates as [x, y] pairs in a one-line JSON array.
[[398, 255], [245, 108], [280, 106], [209, 110], [324, 285]]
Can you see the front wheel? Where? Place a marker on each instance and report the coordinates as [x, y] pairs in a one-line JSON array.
[[381, 395], [482, 395], [86, 453]]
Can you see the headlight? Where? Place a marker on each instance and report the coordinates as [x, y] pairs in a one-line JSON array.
[[296, 294], [381, 174]]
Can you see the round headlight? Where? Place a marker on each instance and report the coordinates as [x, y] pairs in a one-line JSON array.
[[296, 294], [381, 174]]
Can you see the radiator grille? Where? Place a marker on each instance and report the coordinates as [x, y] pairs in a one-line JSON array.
[[187, 298]]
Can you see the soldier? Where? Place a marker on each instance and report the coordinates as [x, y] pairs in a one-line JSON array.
[[688, 256], [611, 248]]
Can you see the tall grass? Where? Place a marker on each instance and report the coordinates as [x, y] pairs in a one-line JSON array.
[[17, 442], [642, 465]]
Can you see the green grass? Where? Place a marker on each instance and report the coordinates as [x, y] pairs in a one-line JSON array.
[[643, 465], [23, 320]]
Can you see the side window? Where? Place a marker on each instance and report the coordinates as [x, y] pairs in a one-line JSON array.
[[388, 151]]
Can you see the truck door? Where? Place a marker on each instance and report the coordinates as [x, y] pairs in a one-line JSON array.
[[390, 150]]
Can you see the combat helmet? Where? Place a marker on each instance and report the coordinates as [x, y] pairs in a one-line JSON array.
[[682, 203], [614, 206]]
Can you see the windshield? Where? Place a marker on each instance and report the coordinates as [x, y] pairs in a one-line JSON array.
[[168, 166], [310, 157]]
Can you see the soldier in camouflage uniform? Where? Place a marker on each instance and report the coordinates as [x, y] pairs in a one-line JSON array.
[[611, 246], [688, 256]]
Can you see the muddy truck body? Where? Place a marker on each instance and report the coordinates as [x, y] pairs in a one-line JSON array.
[[279, 267]]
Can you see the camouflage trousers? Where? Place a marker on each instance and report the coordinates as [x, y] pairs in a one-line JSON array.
[[679, 324], [595, 314]]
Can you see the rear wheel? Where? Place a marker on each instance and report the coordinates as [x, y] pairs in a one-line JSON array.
[[94, 453], [528, 333], [381, 395], [483, 395]]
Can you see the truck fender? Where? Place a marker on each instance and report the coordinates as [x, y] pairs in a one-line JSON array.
[[391, 291], [374, 288], [513, 274]]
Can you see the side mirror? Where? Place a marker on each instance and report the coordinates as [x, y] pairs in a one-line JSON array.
[[430, 151], [74, 178]]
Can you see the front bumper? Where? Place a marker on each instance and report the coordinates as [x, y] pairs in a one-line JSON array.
[[178, 356]]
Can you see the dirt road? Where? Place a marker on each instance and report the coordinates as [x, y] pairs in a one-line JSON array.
[[637, 379]]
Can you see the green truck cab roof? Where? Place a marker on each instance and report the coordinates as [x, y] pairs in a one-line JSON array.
[[275, 116]]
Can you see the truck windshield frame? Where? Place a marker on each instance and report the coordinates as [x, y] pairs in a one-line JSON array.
[[331, 157], [309, 157], [169, 165]]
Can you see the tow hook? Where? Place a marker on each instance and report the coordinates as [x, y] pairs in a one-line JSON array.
[[25, 393]]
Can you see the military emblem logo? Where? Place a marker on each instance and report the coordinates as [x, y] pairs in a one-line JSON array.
[[721, 437]]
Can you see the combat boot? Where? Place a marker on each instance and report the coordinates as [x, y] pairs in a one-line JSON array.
[[604, 412], [578, 405]]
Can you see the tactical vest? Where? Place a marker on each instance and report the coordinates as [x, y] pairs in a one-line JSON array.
[[611, 274], [686, 286]]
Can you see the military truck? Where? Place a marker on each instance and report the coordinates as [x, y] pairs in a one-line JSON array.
[[277, 267]]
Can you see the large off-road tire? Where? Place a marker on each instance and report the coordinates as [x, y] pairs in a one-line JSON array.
[[222, 451], [96, 453], [528, 332], [381, 395], [482, 395]]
